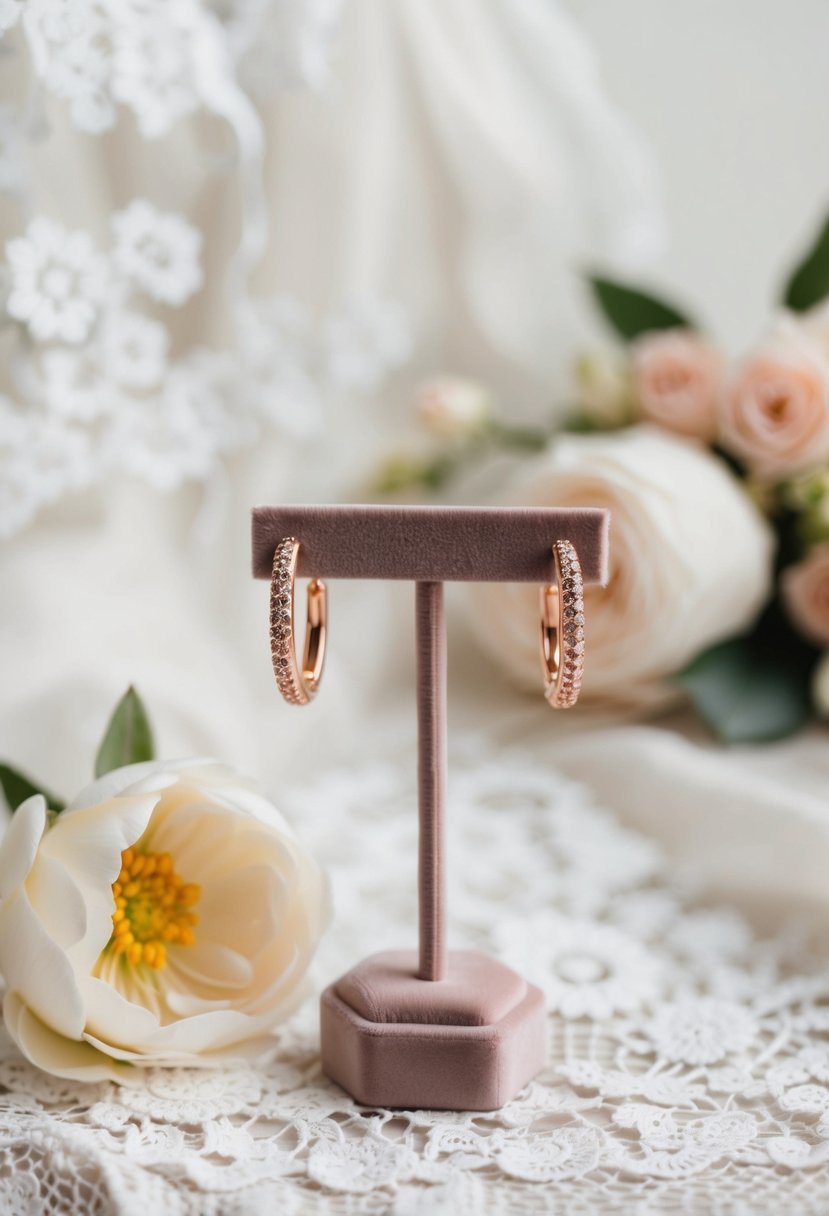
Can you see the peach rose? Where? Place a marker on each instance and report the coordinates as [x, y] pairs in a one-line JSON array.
[[776, 415], [677, 380], [805, 587]]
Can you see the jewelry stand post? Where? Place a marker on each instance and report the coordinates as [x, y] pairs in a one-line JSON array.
[[432, 1028], [431, 787]]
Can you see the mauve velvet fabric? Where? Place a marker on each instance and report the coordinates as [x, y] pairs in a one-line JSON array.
[[426, 543]]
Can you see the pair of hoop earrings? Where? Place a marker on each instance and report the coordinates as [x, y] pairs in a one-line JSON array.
[[562, 628]]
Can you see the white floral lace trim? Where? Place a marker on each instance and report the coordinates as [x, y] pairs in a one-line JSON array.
[[94, 387], [689, 1056]]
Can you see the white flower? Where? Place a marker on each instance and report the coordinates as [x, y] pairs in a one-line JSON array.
[[58, 281], [701, 1030], [134, 349], [690, 562], [586, 969], [453, 407], [166, 917], [158, 251]]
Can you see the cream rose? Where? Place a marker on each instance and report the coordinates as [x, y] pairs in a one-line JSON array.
[[167, 916], [775, 416], [805, 589], [690, 562], [677, 381]]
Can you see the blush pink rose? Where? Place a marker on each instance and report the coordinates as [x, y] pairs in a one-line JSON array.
[[678, 378], [805, 588], [776, 414]]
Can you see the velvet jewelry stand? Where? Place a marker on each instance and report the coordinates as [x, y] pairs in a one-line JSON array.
[[453, 1030]]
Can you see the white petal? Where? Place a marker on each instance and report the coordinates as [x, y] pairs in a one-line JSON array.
[[239, 909], [17, 852], [89, 843], [33, 965], [204, 1032], [53, 1052], [209, 965], [117, 782], [143, 778], [112, 1019], [57, 900]]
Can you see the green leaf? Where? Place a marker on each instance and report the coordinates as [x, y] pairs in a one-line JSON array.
[[632, 312], [748, 693], [17, 787], [128, 738], [809, 282]]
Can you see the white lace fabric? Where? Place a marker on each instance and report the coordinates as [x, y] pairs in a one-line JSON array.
[[688, 1066]]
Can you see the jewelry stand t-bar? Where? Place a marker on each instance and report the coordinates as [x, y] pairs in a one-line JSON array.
[[444, 1030]]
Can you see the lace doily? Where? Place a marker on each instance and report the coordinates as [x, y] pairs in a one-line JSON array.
[[689, 1055]]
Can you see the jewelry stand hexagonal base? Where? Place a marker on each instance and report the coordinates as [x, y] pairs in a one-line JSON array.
[[470, 1041]]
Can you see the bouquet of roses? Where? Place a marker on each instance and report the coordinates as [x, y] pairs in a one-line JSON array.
[[717, 473]]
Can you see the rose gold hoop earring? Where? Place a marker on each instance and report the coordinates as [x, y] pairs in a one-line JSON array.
[[562, 629], [298, 685]]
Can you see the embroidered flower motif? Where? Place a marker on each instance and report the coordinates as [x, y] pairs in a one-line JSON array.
[[153, 65], [134, 349], [801, 1084], [78, 73], [147, 57], [58, 281], [586, 969], [551, 1156], [158, 251], [186, 1095], [657, 1088], [359, 1165], [701, 1031], [674, 1149], [69, 43], [41, 458], [72, 386]]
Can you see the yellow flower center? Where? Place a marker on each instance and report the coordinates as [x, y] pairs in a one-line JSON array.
[[153, 909]]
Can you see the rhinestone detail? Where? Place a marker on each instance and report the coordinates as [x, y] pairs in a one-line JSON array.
[[563, 692], [281, 623]]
